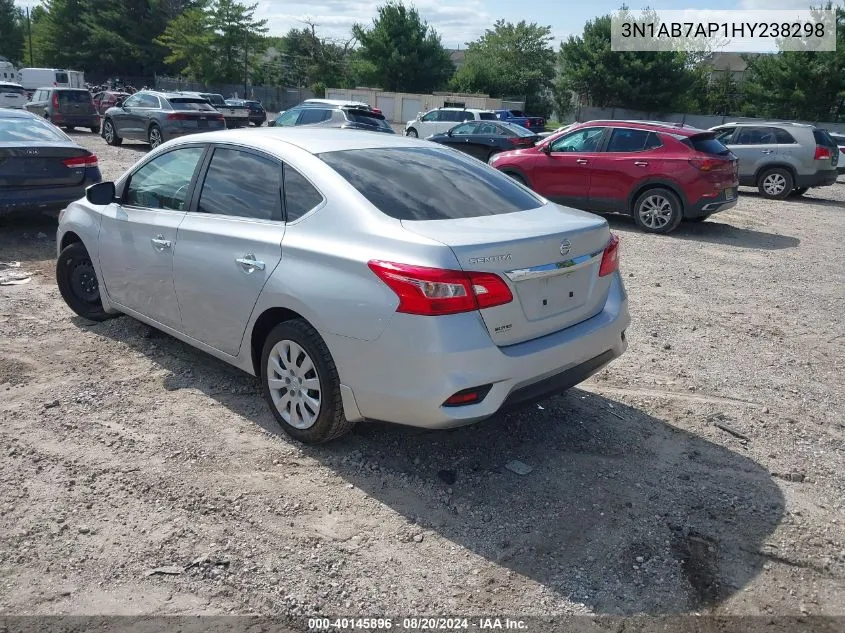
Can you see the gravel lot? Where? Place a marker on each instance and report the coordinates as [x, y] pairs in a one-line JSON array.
[[702, 472]]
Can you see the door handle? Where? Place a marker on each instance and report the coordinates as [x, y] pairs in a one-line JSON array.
[[249, 263], [641, 163], [767, 151], [160, 244], [581, 161]]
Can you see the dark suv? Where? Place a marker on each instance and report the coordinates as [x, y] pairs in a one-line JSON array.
[[65, 107], [352, 116]]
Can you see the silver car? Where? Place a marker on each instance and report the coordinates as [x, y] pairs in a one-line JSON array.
[[360, 276], [781, 159]]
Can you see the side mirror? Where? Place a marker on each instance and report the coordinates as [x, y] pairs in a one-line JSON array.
[[101, 194], [546, 148], [449, 133]]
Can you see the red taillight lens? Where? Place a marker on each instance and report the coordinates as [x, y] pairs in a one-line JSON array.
[[56, 100], [703, 164], [822, 153], [610, 258], [436, 291], [467, 396], [219, 117], [80, 161], [179, 116]]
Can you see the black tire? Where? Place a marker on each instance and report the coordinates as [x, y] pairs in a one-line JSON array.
[[330, 423], [798, 192], [154, 136], [775, 183], [658, 210], [78, 283], [412, 133], [110, 134], [95, 130]]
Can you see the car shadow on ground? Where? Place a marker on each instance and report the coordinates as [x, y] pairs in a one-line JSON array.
[[814, 196], [622, 511], [715, 232]]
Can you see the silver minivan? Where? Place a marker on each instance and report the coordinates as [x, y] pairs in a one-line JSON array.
[[781, 159]]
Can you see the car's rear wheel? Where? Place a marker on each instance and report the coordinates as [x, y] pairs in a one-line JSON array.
[[412, 133], [658, 211], [154, 136], [300, 383], [798, 192], [110, 134], [78, 283], [775, 183]]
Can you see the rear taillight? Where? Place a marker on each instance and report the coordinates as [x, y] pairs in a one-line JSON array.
[[705, 164], [218, 117], [464, 397], [436, 291], [80, 161], [610, 257], [56, 100], [822, 153]]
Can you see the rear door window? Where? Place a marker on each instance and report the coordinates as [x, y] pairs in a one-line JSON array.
[[756, 136], [314, 115], [783, 137], [243, 185], [628, 140], [423, 183]]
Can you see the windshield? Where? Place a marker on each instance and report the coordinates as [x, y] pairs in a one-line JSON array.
[[22, 130], [188, 103], [423, 183]]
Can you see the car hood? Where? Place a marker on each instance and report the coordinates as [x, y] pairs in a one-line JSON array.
[[514, 153]]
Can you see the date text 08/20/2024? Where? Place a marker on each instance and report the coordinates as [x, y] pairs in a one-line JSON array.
[[417, 624]]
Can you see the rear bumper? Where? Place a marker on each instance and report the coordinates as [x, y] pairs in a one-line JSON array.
[[236, 122], [818, 179], [418, 362], [88, 120], [709, 206], [258, 118], [44, 198]]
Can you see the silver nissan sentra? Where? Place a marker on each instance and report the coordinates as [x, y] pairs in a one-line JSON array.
[[359, 275]]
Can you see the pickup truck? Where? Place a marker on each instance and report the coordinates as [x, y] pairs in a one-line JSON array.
[[534, 123], [235, 116]]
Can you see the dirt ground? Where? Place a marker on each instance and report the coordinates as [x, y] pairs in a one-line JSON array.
[[703, 472]]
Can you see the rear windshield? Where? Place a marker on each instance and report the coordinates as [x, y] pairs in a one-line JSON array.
[[517, 113], [14, 130], [706, 144], [487, 116], [61, 78], [7, 89], [188, 103], [823, 138], [517, 129], [423, 183], [74, 96], [367, 118]]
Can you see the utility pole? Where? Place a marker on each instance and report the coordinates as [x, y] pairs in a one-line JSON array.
[[246, 62], [29, 33]]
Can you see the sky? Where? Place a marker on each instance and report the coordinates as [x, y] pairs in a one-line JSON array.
[[461, 21]]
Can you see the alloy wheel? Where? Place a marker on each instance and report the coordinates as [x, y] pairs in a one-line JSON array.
[[108, 132], [294, 384], [155, 137], [655, 211], [774, 184]]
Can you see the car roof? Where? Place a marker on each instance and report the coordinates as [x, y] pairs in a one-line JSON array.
[[452, 109], [768, 124], [652, 126], [310, 139], [334, 102]]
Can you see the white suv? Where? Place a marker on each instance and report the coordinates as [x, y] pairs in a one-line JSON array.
[[442, 120], [12, 95]]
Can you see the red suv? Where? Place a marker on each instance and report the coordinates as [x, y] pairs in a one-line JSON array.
[[108, 98], [660, 173]]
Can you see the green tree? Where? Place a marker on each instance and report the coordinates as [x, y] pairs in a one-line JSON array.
[[401, 52], [649, 81], [189, 40], [237, 37], [511, 60], [806, 85], [62, 31], [12, 31], [306, 59], [723, 95]]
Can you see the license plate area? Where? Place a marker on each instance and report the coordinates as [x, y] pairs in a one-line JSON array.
[[730, 193], [549, 296]]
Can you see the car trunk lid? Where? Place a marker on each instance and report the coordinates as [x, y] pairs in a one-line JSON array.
[[75, 103], [23, 164], [549, 257]]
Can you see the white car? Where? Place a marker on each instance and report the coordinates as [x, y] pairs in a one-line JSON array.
[[442, 120], [12, 95]]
